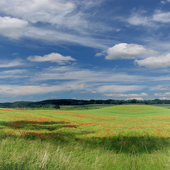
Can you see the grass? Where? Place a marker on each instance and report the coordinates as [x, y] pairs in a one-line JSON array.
[[81, 107], [119, 137], [130, 111]]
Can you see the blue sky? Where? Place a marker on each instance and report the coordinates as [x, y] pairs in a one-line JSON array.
[[93, 49]]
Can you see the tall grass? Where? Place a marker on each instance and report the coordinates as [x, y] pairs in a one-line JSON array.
[[121, 152]]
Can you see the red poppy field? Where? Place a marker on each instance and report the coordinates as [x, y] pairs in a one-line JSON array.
[[79, 138], [63, 124]]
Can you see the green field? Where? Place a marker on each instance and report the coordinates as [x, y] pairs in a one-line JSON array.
[[117, 137], [98, 106], [88, 106]]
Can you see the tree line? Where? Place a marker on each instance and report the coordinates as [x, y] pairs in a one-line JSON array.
[[55, 104]]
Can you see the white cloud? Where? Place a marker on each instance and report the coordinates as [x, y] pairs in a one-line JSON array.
[[59, 36], [163, 17], [155, 62], [159, 88], [164, 98], [63, 21], [126, 95], [127, 51], [163, 2], [53, 57], [100, 54], [93, 92], [160, 78], [97, 81], [19, 90], [137, 98], [137, 19], [8, 22], [83, 92], [167, 88], [94, 81], [14, 63], [67, 14], [12, 27], [85, 75], [118, 88], [162, 94], [17, 74], [38, 10], [152, 21]]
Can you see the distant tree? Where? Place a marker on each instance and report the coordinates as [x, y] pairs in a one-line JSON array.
[[146, 102], [57, 107], [133, 101], [80, 103], [120, 102]]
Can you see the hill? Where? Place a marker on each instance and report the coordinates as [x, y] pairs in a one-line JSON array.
[[129, 111]]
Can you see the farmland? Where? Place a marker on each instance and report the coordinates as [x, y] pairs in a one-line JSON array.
[[117, 137]]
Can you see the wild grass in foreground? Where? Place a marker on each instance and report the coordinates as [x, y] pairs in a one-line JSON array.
[[94, 153], [71, 140]]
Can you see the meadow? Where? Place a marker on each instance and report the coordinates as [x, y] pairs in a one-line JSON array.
[[133, 137]]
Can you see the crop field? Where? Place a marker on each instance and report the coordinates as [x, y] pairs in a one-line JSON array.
[[117, 137]]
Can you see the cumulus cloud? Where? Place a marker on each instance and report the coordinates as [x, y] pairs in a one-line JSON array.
[[127, 51], [8, 22], [126, 95], [53, 57], [155, 62], [12, 27], [100, 54]]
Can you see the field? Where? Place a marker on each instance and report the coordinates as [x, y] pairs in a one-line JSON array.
[[117, 137], [88, 106]]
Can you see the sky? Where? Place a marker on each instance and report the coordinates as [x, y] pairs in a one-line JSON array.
[[77, 49]]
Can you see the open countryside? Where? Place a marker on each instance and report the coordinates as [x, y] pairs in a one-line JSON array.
[[116, 137], [84, 85]]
